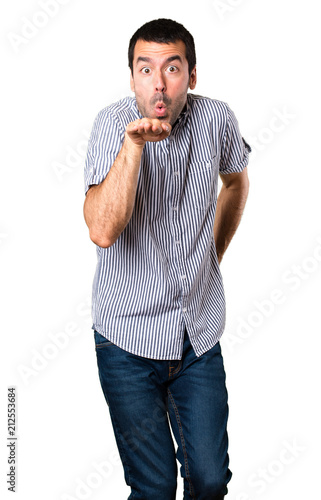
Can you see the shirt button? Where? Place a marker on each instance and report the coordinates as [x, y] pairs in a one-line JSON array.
[[184, 310], [184, 277]]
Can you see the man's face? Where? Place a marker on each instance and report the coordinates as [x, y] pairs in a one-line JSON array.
[[161, 79]]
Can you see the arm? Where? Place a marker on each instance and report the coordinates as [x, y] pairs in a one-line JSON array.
[[230, 205], [109, 205]]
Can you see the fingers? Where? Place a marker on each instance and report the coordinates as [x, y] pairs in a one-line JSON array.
[[167, 127], [146, 126], [150, 129], [149, 126]]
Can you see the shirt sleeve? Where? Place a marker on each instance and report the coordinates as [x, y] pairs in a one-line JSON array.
[[235, 150], [104, 144]]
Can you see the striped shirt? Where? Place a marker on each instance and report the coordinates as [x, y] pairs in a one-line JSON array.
[[162, 274]]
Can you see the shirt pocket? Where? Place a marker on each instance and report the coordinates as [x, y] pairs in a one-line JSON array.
[[203, 182]]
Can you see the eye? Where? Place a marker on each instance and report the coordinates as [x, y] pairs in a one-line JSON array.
[[172, 69], [145, 71]]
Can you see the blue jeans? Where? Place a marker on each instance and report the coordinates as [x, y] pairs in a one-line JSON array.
[[144, 396]]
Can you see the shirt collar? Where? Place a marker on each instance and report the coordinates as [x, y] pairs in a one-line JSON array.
[[135, 108], [185, 112]]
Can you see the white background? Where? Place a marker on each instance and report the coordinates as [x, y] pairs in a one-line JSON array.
[[261, 57]]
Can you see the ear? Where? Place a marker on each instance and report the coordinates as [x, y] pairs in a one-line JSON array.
[[193, 79], [132, 85]]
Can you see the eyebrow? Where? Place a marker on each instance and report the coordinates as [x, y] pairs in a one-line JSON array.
[[149, 59]]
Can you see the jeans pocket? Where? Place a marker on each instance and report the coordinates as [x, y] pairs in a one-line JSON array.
[[101, 341]]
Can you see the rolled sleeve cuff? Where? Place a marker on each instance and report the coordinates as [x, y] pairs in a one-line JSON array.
[[239, 167], [93, 180]]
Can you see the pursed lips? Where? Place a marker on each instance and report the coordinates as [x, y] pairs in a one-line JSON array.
[[160, 109]]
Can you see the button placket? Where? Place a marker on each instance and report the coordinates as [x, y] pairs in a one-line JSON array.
[[177, 232]]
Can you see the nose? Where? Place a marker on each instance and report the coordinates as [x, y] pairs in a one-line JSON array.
[[160, 85]]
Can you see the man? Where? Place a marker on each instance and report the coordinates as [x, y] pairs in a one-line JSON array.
[[158, 302]]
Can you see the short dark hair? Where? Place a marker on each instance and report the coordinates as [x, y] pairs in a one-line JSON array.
[[163, 31]]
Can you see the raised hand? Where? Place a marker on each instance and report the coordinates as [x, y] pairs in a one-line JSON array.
[[148, 129]]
